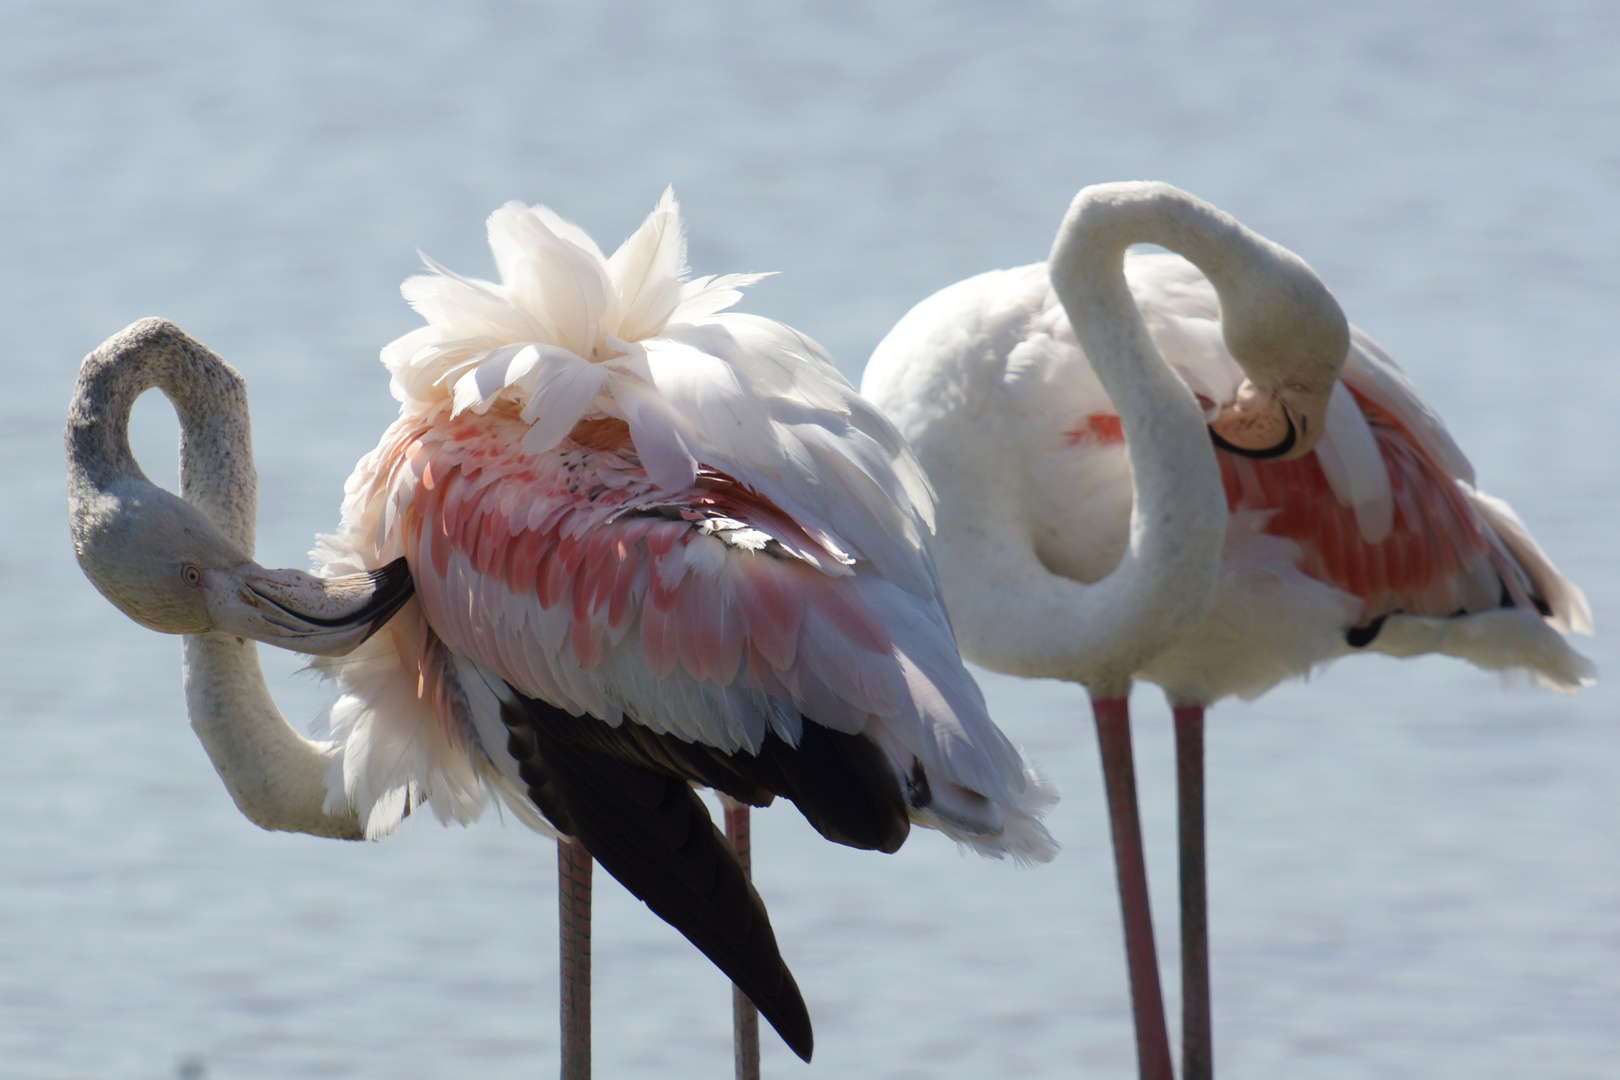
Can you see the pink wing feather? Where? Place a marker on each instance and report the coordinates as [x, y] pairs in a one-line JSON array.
[[706, 584], [1440, 556]]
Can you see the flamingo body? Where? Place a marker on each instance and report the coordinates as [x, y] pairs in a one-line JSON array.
[[655, 544], [706, 614]]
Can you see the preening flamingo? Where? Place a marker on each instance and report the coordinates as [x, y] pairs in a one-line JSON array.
[[653, 544], [1376, 540]]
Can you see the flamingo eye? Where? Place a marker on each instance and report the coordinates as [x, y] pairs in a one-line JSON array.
[[191, 575]]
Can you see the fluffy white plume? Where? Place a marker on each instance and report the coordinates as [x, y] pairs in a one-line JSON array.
[[568, 335], [564, 334]]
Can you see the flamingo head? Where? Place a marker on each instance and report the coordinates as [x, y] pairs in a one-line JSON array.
[[1277, 425], [1290, 336], [163, 563]]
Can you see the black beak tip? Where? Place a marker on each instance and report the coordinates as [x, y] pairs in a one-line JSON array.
[[394, 587]]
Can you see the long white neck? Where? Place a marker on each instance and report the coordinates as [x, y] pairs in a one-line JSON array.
[[1166, 581], [276, 776]]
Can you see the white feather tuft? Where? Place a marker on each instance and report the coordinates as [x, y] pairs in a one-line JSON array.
[[395, 754], [562, 334]]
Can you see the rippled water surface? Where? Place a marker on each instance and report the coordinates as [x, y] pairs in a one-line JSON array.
[[1416, 868]]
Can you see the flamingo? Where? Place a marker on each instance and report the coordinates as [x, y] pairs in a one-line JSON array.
[[1375, 540], [652, 544]]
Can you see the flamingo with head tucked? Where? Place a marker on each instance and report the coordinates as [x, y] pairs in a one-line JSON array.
[[1354, 521], [653, 543]]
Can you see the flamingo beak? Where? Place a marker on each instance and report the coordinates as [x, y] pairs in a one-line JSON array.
[[1271, 425], [298, 611]]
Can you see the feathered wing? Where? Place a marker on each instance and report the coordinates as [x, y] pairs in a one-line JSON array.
[[1480, 538], [709, 615], [1389, 404]]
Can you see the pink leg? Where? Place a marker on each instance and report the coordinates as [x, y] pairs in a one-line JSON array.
[[1119, 777], [1197, 1054], [744, 1017], [574, 912]]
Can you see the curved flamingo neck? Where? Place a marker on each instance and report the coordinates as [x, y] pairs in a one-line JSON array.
[[1278, 319], [276, 776], [216, 445], [1166, 581], [1281, 325]]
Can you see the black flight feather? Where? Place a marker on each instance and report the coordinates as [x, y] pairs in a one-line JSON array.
[[650, 830]]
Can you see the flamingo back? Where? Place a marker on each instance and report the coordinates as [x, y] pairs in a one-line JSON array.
[[623, 502]]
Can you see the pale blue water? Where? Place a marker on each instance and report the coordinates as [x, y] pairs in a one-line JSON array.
[[1416, 870]]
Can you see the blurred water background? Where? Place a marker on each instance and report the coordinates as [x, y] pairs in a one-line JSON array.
[[1416, 868]]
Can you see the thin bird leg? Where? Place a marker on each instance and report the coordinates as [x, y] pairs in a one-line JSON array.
[[1119, 777], [574, 915], [744, 1016], [1197, 1055]]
